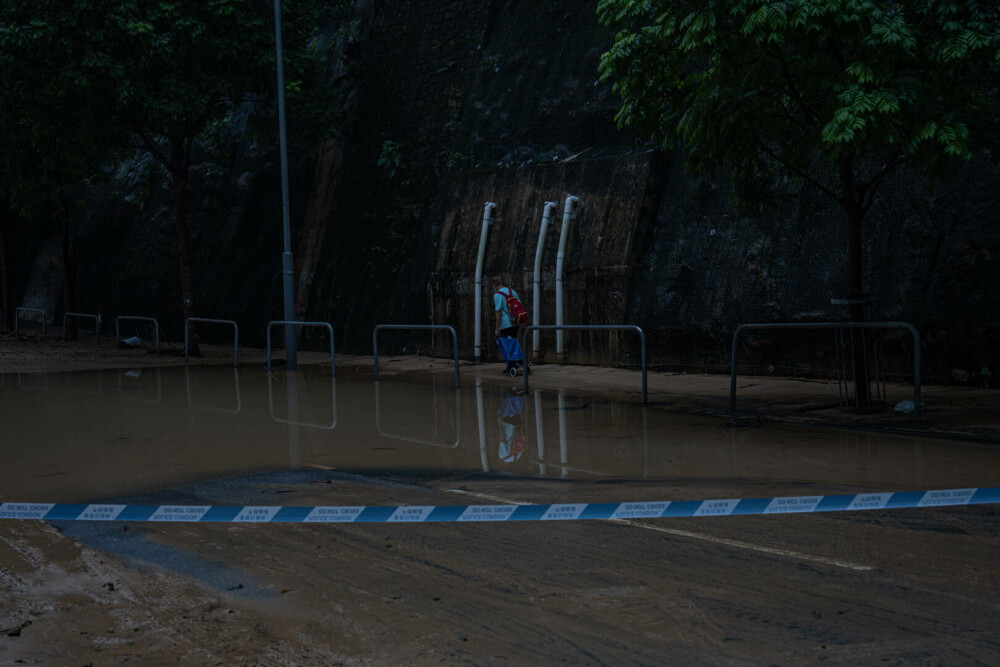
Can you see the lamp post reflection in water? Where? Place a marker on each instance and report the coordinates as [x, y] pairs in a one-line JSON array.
[[294, 447], [293, 420], [645, 444], [563, 447]]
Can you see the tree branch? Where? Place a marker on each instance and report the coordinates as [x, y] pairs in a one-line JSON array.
[[154, 150], [838, 57], [793, 88], [764, 148], [872, 186]]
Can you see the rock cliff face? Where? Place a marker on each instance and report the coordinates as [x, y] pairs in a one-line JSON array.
[[606, 237], [458, 102]]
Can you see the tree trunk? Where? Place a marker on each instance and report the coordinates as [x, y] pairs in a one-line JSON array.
[[179, 175], [851, 203], [69, 302], [329, 157], [8, 308], [347, 52]]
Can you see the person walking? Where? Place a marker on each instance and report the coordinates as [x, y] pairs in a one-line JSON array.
[[511, 318], [505, 326]]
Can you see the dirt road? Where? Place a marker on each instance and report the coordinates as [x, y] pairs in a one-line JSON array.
[[886, 587]]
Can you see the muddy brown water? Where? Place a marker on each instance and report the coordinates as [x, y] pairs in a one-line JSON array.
[[88, 436], [882, 587]]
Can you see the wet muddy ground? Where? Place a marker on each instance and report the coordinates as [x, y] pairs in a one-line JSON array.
[[885, 587]]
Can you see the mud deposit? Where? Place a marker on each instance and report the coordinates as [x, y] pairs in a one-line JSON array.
[[874, 587]]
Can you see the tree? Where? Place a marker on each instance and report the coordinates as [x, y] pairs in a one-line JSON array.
[[328, 109], [179, 68], [53, 129], [837, 93], [182, 68], [77, 76]]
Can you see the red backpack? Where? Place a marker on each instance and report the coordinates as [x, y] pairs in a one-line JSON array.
[[518, 314]]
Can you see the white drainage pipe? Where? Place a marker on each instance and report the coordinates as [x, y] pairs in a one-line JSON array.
[[481, 414], [536, 306], [487, 221], [540, 433], [571, 202]]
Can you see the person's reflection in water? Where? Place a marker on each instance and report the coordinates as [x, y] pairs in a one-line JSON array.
[[511, 420]]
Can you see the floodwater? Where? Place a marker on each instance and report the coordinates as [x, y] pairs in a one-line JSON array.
[[891, 587], [92, 436]]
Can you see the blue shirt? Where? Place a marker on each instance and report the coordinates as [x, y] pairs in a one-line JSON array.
[[500, 303]]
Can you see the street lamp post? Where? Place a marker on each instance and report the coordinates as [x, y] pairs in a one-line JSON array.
[[287, 265]]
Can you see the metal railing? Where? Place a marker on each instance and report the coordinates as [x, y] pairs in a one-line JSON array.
[[191, 404], [97, 323], [329, 327], [17, 318], [44, 376], [431, 443], [74, 390], [156, 327], [454, 339], [592, 327], [128, 396], [833, 325], [295, 422], [236, 334]]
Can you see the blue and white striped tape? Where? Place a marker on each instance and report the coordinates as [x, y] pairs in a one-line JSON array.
[[550, 512]]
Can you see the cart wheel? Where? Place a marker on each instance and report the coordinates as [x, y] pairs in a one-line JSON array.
[[513, 372]]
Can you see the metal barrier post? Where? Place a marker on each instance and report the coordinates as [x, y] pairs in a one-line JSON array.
[[329, 327], [129, 397], [97, 324], [458, 423], [69, 388], [44, 376], [594, 327], [236, 384], [290, 422], [156, 327], [17, 318], [454, 339], [833, 325], [236, 334]]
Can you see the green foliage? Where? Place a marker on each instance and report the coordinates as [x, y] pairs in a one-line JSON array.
[[79, 77], [835, 93], [179, 69], [760, 86], [391, 157], [55, 106]]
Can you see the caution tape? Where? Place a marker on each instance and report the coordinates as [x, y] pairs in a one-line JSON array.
[[549, 512]]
